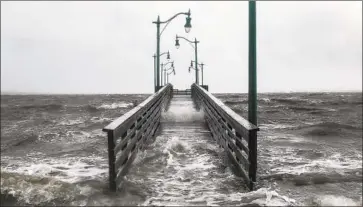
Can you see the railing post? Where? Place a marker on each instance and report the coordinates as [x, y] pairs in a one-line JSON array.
[[111, 161], [252, 157]]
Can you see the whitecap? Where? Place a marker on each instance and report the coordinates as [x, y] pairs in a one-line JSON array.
[[115, 105], [336, 163], [70, 122], [334, 200], [66, 169]]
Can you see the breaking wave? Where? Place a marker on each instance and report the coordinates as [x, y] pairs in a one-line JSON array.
[[20, 189], [116, 105], [333, 200], [95, 108], [313, 178], [57, 181]]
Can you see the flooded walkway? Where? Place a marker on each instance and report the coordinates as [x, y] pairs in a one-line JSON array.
[[185, 166]]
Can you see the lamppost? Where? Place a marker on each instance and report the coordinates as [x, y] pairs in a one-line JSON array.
[[155, 77], [162, 70], [177, 45], [165, 72], [191, 67], [167, 75], [187, 27], [252, 88]]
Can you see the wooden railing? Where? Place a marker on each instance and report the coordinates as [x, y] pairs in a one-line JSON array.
[[232, 132], [129, 133], [182, 92]]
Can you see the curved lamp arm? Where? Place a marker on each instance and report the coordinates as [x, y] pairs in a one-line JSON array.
[[172, 72], [169, 69], [185, 39], [172, 63], [200, 64], [167, 53], [187, 24], [191, 65], [164, 53], [169, 20], [192, 68], [191, 42], [173, 17]]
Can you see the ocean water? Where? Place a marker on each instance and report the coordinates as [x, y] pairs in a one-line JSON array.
[[53, 152]]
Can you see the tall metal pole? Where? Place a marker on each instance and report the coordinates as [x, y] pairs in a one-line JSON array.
[[196, 61], [252, 81], [161, 75], [252, 90], [165, 77], [158, 52], [202, 73], [155, 79]]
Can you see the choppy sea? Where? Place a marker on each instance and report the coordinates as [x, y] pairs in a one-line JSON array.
[[53, 152]]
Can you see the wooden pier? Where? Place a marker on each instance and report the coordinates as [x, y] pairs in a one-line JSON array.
[[128, 134]]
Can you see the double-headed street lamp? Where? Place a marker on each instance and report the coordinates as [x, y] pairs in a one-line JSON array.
[[187, 27], [201, 66], [163, 70], [155, 73], [167, 75], [177, 45]]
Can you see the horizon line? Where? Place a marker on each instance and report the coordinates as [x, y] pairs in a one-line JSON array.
[[264, 92]]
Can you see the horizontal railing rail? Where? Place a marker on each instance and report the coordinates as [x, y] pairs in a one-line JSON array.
[[182, 92], [129, 133], [231, 131]]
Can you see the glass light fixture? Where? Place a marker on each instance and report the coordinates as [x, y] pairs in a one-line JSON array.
[[188, 25], [177, 45]]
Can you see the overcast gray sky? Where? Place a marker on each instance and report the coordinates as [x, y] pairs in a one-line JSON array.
[[107, 47]]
